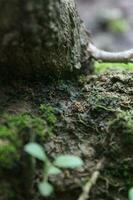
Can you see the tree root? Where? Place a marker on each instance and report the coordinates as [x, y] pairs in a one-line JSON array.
[[104, 56], [92, 181]]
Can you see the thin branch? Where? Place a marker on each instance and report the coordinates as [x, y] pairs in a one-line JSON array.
[[104, 56], [92, 181]]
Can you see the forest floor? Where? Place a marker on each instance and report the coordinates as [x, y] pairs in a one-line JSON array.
[[91, 118]]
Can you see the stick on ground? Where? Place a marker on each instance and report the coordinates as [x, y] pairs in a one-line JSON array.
[[104, 56], [92, 181]]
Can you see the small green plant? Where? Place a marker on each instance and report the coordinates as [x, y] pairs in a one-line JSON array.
[[51, 168], [130, 194]]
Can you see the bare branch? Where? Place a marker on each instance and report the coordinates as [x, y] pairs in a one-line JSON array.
[[104, 56]]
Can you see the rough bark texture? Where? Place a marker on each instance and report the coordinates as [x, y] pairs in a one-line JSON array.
[[40, 37]]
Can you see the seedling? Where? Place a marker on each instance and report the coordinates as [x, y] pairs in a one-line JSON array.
[[130, 194], [51, 168]]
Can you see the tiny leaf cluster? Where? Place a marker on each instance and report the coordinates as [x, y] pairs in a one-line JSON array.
[[51, 168]]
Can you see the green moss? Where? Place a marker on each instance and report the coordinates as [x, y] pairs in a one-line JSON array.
[[10, 144], [101, 67], [17, 124], [48, 114], [8, 154], [16, 130]]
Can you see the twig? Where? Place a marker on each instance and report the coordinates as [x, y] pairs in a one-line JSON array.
[[92, 181], [104, 56]]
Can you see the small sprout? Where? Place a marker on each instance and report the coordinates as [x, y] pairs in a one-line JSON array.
[[68, 161], [130, 194], [45, 188], [35, 150], [53, 170]]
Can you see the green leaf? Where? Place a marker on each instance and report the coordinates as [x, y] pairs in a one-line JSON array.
[[130, 194], [35, 150], [68, 161], [53, 170], [45, 188]]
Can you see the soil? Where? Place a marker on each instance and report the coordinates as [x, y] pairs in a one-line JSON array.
[[94, 121]]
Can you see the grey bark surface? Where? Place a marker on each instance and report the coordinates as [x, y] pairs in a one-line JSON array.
[[40, 37]]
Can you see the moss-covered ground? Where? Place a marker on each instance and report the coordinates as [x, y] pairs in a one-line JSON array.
[[91, 117]]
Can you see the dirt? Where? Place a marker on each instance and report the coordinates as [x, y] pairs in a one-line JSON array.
[[94, 121]]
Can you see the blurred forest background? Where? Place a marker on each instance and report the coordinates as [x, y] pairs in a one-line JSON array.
[[110, 22]]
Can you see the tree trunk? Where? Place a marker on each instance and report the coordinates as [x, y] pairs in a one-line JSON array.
[[91, 119], [41, 37]]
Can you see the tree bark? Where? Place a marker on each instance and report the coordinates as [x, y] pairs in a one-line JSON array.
[[41, 37]]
